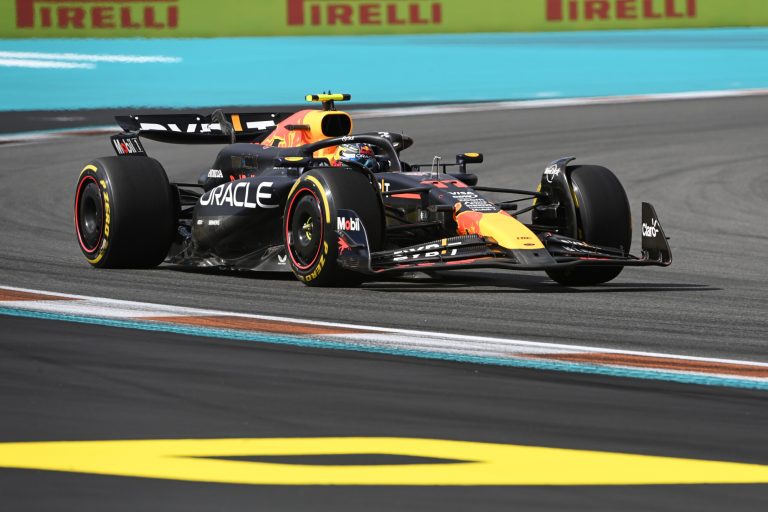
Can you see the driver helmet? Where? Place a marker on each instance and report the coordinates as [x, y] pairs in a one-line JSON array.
[[361, 154]]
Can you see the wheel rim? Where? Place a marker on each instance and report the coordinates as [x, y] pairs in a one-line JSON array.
[[89, 214], [305, 230]]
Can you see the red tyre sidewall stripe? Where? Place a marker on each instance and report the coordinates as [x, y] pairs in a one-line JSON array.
[[80, 185], [288, 220]]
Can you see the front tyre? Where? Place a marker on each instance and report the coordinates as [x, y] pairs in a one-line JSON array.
[[603, 218], [309, 223], [125, 213]]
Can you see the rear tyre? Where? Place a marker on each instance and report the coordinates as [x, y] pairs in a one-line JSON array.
[[309, 223], [603, 218], [125, 213]]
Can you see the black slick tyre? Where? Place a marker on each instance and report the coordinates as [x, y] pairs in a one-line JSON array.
[[125, 213], [309, 223], [603, 218]]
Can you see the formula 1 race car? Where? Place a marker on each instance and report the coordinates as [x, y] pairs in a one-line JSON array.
[[283, 195]]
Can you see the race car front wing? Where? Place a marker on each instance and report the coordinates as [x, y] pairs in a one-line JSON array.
[[474, 251]]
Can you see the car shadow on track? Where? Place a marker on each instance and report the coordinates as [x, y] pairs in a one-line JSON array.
[[465, 282], [242, 274], [485, 282]]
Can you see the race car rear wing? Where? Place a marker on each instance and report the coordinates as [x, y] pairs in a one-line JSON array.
[[217, 128]]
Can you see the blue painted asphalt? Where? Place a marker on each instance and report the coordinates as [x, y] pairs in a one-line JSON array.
[[377, 69], [306, 342]]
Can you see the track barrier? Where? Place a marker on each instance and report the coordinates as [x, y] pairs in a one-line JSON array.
[[239, 18]]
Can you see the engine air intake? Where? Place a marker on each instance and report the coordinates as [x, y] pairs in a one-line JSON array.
[[336, 124]]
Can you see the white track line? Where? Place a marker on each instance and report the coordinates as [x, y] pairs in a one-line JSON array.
[[461, 108], [43, 64], [447, 342], [84, 57], [58, 134]]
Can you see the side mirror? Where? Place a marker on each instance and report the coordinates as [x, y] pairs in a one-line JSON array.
[[469, 158], [292, 161], [462, 159]]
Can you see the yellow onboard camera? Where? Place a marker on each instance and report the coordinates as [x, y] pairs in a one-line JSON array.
[[328, 100]]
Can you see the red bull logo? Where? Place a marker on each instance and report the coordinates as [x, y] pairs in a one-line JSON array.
[[99, 14], [364, 12], [593, 10]]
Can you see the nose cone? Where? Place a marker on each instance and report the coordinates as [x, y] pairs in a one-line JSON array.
[[505, 230]]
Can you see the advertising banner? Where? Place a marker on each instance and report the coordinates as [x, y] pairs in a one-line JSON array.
[[240, 18]]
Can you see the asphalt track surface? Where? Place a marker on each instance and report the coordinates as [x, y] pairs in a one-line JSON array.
[[701, 163], [61, 381]]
